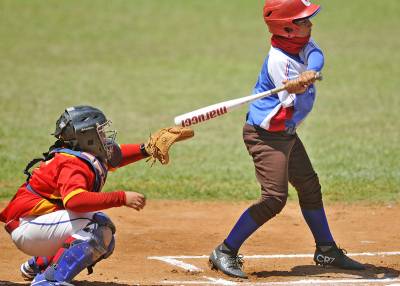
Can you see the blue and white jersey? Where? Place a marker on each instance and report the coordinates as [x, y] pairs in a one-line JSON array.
[[283, 110]]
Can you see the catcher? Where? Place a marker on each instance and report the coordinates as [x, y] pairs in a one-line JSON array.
[[55, 215]]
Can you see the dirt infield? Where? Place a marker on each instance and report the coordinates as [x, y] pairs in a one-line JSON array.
[[181, 228]]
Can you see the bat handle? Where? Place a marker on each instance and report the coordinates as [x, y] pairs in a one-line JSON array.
[[318, 76]]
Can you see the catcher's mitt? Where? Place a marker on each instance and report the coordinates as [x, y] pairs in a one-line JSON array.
[[159, 143]]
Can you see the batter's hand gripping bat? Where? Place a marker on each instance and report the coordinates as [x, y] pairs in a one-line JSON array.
[[219, 109]]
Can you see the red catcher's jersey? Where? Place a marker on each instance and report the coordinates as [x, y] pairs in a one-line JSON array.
[[62, 177]]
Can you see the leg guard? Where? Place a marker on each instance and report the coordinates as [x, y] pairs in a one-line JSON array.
[[82, 250]]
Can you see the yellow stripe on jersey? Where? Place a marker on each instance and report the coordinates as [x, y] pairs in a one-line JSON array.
[[55, 196], [71, 194], [43, 207], [66, 154]]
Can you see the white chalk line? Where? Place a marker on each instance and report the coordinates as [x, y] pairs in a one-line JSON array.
[[178, 263], [173, 260], [305, 282], [274, 256]]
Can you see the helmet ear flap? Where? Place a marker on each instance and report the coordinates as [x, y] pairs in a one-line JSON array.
[[288, 30], [267, 13]]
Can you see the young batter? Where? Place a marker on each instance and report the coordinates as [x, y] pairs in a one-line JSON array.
[[54, 216], [270, 137]]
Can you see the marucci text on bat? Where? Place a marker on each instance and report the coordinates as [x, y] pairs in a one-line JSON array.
[[204, 117]]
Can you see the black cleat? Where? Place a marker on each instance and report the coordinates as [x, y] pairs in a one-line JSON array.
[[336, 257], [230, 263]]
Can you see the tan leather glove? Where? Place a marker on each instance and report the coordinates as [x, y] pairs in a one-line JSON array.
[[159, 143]]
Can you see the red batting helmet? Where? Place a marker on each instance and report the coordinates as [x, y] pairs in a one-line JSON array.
[[280, 14]]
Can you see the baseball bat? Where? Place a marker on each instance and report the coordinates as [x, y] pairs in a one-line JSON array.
[[212, 111]]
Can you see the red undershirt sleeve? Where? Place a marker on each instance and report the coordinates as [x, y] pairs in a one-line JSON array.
[[90, 202], [130, 153]]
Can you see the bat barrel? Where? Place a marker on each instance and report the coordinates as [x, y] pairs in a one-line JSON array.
[[200, 115], [216, 110]]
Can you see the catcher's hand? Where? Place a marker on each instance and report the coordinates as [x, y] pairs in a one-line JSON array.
[[300, 84], [159, 143], [135, 200]]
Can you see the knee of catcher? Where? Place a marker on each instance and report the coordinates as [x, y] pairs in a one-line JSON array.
[[84, 249], [267, 208], [102, 219], [101, 231]]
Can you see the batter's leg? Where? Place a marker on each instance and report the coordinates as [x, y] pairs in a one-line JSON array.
[[270, 156], [303, 177]]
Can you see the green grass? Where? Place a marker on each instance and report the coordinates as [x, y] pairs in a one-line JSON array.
[[144, 62]]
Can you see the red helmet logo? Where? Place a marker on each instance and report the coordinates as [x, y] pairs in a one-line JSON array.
[[280, 14]]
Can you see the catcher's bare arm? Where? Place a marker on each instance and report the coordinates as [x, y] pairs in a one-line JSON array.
[[159, 142]]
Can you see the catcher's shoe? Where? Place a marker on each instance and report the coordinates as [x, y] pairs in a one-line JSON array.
[[29, 269], [336, 257], [223, 259]]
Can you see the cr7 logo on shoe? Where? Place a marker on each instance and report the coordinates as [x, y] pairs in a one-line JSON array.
[[325, 259]]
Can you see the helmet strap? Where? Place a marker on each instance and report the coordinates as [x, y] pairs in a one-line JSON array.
[[46, 156]]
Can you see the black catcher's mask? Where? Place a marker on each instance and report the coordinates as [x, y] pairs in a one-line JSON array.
[[84, 128]]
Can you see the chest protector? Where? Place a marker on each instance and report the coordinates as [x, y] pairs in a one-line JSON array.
[[98, 167]]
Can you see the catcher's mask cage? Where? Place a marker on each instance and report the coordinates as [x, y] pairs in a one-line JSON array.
[[279, 15], [84, 128]]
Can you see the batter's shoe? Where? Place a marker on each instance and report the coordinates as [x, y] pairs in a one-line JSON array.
[[335, 256], [29, 269], [230, 263]]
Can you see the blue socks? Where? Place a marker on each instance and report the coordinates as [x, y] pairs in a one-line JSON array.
[[243, 228], [318, 224]]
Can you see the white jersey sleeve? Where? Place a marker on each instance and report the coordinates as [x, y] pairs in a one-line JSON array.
[[282, 67]]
